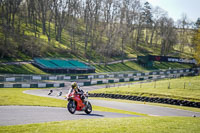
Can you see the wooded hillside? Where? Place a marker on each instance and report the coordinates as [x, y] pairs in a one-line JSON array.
[[95, 30]]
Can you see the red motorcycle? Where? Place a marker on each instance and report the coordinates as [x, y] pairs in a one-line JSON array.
[[75, 103]]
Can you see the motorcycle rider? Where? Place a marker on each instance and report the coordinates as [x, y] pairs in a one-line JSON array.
[[77, 100], [77, 90]]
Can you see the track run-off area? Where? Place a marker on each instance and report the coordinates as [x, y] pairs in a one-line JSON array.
[[18, 115], [151, 110]]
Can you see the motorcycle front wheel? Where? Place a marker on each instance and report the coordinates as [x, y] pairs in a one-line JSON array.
[[88, 108], [71, 106]]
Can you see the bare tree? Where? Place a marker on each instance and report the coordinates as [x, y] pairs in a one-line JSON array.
[[168, 35], [32, 15], [88, 19], [125, 25], [95, 31], [60, 16], [73, 11], [147, 20], [103, 26], [183, 25], [42, 7], [9, 9], [131, 19], [139, 21], [158, 13], [110, 18]]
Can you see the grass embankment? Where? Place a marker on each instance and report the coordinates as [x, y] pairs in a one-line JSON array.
[[27, 42], [130, 125], [126, 66], [187, 88], [20, 69], [134, 66]]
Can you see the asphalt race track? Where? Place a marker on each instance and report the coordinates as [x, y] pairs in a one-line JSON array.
[[145, 109], [140, 108], [17, 115]]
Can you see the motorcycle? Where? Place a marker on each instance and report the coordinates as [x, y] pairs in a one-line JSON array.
[[75, 103]]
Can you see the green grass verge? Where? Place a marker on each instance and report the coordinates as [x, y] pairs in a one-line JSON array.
[[113, 125], [20, 69], [15, 96], [187, 88], [106, 109]]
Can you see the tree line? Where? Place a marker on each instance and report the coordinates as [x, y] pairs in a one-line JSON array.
[[107, 27]]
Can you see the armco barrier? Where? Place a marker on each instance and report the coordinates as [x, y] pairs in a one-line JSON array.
[[92, 82], [148, 99], [141, 78], [34, 85], [22, 78], [186, 72]]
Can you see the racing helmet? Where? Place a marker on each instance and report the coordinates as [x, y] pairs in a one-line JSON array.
[[74, 85]]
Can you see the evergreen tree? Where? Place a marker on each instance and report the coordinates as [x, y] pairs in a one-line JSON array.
[[198, 23]]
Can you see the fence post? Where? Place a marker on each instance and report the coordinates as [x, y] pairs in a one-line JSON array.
[[30, 78], [184, 85], [189, 85], [169, 85]]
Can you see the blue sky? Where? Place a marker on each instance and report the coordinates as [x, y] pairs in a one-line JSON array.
[[176, 8]]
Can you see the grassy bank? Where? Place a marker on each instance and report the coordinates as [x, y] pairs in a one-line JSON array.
[[129, 125], [134, 66], [126, 66], [20, 69], [15, 96], [187, 88]]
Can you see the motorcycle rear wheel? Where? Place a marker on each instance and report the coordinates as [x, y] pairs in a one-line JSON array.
[[71, 106], [88, 109]]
